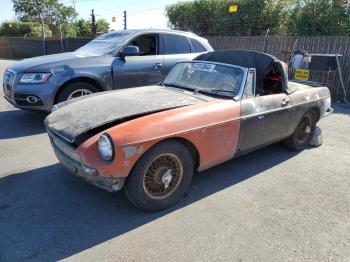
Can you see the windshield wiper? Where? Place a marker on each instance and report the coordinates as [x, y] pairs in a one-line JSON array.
[[178, 86], [216, 91], [174, 87]]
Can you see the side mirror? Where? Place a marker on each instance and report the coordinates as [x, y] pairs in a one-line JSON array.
[[130, 50]]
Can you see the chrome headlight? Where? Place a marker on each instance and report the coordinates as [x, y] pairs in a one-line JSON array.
[[105, 147], [35, 78]]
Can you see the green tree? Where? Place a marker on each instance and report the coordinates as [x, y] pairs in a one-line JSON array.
[[69, 29], [211, 17], [26, 29], [53, 12], [83, 28], [102, 26], [319, 17], [254, 17]]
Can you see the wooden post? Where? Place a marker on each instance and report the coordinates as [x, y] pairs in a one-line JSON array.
[[265, 39], [341, 78]]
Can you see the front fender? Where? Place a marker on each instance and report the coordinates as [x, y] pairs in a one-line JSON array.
[[212, 127]]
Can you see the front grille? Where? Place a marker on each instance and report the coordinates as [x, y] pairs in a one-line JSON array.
[[64, 147], [8, 80]]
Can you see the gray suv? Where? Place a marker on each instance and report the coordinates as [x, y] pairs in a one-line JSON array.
[[115, 60]]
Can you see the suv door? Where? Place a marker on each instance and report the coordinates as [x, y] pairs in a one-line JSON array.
[[144, 69], [175, 48]]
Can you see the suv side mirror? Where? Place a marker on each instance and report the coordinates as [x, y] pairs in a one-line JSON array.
[[130, 50]]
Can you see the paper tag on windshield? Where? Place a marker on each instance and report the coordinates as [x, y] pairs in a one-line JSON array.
[[203, 67]]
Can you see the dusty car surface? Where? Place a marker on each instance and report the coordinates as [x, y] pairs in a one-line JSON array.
[[151, 139], [115, 60]]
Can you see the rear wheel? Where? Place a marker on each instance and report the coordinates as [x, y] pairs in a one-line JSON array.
[[302, 135], [75, 90], [161, 177]]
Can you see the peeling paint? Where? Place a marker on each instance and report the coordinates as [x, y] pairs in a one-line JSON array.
[[130, 151], [127, 163]]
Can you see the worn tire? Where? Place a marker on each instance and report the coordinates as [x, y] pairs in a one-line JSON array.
[[294, 142], [135, 188], [69, 89]]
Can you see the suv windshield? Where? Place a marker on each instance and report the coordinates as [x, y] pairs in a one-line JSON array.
[[207, 77], [104, 44]]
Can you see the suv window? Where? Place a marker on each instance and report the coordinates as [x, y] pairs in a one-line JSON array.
[[196, 46], [176, 44], [146, 43]]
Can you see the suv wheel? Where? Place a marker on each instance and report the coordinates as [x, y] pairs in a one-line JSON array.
[[75, 90]]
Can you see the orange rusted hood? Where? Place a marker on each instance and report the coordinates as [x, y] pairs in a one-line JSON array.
[[93, 111]]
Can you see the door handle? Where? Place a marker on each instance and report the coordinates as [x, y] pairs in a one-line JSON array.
[[285, 101], [157, 65], [261, 117]]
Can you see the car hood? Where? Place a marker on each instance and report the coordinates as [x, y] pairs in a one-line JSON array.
[[82, 115], [45, 63]]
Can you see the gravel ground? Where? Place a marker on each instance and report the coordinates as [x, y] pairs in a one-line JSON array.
[[270, 205]]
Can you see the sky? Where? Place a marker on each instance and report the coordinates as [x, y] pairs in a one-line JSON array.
[[140, 14]]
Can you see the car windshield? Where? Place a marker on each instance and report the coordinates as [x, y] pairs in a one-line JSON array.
[[206, 77], [105, 44]]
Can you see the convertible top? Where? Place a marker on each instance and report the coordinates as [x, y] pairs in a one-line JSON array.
[[262, 62]]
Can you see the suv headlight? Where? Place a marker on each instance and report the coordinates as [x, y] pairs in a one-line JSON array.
[[105, 147], [35, 78]]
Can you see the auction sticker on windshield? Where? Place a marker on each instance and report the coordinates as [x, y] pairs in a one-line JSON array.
[[203, 67]]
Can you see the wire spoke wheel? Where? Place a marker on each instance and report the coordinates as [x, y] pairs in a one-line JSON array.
[[304, 128], [78, 93], [163, 176]]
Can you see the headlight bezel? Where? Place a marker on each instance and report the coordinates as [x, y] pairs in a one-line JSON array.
[[30, 78], [105, 137]]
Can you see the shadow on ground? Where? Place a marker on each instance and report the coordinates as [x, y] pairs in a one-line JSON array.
[[20, 123], [47, 214]]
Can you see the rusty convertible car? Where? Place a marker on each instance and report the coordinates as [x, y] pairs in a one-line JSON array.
[[151, 139]]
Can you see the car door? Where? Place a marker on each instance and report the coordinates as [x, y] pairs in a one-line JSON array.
[[144, 69], [175, 48], [264, 119]]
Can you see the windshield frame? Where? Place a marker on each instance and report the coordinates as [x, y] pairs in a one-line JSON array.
[[236, 96]]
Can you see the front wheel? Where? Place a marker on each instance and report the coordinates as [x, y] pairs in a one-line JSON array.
[[75, 90], [161, 177], [304, 132]]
